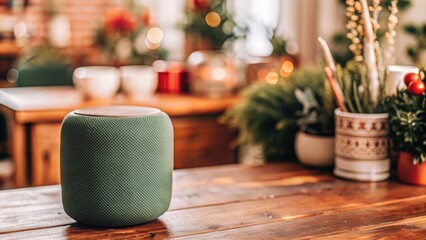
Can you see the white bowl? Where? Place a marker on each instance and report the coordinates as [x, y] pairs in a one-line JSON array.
[[313, 150], [139, 81], [97, 82]]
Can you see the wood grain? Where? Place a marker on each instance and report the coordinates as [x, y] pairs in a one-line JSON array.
[[273, 201], [45, 142], [18, 147], [201, 141], [196, 144], [328, 223]]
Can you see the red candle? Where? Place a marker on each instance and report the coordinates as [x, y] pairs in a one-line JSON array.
[[172, 77]]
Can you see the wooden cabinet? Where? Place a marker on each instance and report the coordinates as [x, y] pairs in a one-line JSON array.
[[199, 140], [45, 152]]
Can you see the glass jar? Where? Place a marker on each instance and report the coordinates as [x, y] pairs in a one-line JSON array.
[[212, 73]]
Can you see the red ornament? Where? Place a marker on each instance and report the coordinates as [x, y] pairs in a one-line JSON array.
[[417, 88], [411, 77]]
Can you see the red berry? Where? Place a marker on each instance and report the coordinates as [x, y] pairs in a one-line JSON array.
[[411, 77], [417, 88]]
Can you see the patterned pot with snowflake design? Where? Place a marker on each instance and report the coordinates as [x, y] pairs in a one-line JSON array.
[[361, 146]]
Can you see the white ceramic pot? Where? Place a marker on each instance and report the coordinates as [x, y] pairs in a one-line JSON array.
[[97, 82], [362, 146], [139, 81], [314, 150]]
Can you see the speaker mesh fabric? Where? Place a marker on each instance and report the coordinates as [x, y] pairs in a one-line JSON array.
[[116, 171]]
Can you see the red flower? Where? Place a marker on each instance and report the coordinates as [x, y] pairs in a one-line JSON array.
[[201, 5], [120, 21]]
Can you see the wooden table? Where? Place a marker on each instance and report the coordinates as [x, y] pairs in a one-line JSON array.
[[35, 115], [240, 202]]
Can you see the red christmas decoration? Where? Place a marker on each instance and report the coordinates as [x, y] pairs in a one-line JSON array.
[[417, 88]]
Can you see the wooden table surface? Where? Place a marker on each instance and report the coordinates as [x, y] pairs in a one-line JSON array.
[[240, 202]]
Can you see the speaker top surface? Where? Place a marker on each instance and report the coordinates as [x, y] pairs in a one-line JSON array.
[[118, 111]]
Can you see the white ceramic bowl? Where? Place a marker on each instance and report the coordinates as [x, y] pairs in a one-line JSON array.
[[139, 81], [97, 82], [313, 150]]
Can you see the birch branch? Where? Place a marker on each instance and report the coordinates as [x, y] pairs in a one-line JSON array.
[[369, 54]]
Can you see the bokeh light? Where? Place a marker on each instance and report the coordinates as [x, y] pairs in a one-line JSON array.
[[286, 68], [213, 19], [272, 77], [155, 35], [218, 74]]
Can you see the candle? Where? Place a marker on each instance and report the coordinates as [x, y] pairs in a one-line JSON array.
[[172, 77]]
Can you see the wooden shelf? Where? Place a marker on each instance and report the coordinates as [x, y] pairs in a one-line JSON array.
[[47, 104], [9, 48]]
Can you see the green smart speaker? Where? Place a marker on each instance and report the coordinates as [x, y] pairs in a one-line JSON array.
[[116, 165]]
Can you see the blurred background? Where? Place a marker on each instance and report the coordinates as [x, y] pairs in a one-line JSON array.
[[202, 53]]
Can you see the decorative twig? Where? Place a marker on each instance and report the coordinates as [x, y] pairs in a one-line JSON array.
[[391, 33], [369, 54], [335, 87], [375, 10], [327, 55], [354, 27], [331, 75]]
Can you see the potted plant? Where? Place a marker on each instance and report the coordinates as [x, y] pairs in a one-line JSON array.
[[407, 110], [361, 121], [208, 25], [316, 128], [127, 35], [270, 114]]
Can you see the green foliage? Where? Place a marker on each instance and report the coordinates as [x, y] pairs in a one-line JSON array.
[[41, 56], [268, 116], [418, 32], [341, 52], [128, 33], [354, 82], [196, 24], [278, 44], [109, 44], [408, 123]]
